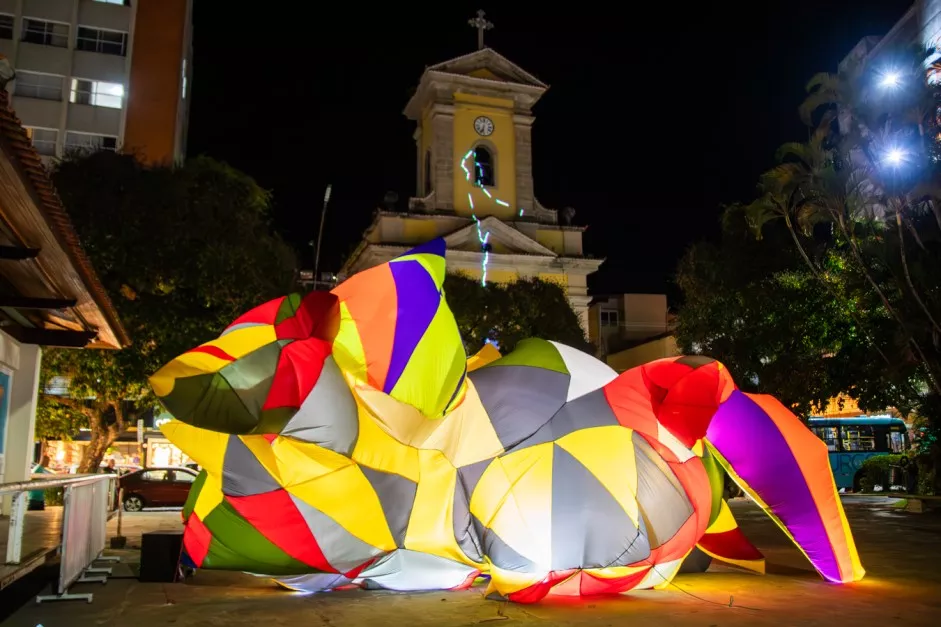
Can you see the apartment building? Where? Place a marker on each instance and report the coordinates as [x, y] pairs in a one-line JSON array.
[[101, 74]]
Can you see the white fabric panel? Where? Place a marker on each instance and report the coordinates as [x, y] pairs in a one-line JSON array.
[[588, 374], [407, 571]]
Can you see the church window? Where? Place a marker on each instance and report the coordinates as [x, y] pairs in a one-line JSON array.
[[427, 174], [483, 167], [609, 318]]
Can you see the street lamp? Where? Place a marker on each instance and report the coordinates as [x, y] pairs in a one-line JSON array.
[[890, 80], [895, 156]]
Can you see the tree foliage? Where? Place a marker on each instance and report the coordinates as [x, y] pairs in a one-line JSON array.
[[182, 251], [506, 314], [854, 214]]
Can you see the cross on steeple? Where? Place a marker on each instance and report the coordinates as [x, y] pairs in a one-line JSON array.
[[481, 25]]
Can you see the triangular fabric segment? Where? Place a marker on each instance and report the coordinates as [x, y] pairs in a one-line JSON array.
[[396, 495], [342, 549], [588, 374], [533, 352], [328, 416], [242, 473]]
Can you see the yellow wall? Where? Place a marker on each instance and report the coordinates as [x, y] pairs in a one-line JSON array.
[[493, 276], [551, 239], [645, 353], [502, 142], [418, 231], [561, 279]]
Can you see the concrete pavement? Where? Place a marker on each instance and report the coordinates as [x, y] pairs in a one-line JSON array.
[[901, 552]]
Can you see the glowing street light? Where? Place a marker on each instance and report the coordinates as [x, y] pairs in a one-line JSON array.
[[895, 156], [891, 80]]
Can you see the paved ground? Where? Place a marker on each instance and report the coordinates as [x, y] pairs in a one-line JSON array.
[[901, 552]]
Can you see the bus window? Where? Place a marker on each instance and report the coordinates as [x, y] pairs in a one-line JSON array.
[[830, 435], [858, 438], [897, 441]]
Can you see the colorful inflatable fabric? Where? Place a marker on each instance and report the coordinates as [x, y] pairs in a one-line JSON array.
[[346, 440]]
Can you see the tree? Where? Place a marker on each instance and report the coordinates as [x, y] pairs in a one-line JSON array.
[[506, 314], [860, 203], [182, 251]]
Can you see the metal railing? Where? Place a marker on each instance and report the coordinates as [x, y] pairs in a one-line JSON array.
[[88, 503]]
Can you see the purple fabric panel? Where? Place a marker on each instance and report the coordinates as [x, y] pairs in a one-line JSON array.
[[752, 444], [418, 299]]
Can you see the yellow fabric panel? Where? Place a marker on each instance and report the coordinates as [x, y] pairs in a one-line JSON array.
[[608, 453], [724, 521], [430, 526], [755, 566], [486, 355], [209, 496], [241, 342], [615, 572], [377, 449], [505, 582], [466, 435], [858, 571], [348, 349], [433, 264], [400, 420], [295, 462], [346, 496], [435, 367], [698, 448], [206, 448], [668, 572], [514, 499]]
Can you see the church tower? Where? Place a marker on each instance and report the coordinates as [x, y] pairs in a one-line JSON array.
[[474, 180]]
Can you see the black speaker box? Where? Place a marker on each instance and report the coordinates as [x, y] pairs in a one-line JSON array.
[[160, 556]]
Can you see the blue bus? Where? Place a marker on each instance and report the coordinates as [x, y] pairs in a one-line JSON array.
[[851, 441]]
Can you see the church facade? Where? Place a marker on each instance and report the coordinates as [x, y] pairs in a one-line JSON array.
[[474, 174]]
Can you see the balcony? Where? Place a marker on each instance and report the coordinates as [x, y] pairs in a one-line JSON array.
[[53, 10], [46, 59], [99, 67], [105, 15]]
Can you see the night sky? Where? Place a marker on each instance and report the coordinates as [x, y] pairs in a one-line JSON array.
[[651, 122]]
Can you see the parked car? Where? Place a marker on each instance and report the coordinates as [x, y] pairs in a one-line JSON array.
[[156, 487]]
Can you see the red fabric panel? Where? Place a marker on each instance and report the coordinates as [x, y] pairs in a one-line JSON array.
[[731, 545], [299, 367], [262, 314], [591, 585], [196, 539], [537, 591], [274, 515]]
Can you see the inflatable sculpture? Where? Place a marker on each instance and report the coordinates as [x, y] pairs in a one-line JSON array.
[[345, 439]]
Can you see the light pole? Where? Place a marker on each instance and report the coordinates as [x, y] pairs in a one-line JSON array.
[[323, 214]]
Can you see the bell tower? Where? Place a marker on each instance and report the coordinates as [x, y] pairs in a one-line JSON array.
[[474, 137]]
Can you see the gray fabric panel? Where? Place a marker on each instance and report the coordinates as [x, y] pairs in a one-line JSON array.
[[396, 495], [519, 399], [469, 476], [499, 552], [342, 549], [328, 416], [242, 473], [464, 532], [590, 410], [589, 527], [250, 376], [662, 500]]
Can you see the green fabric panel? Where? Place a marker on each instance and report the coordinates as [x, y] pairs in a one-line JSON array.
[[288, 308], [273, 420], [194, 494], [533, 352], [208, 401], [716, 481], [236, 545], [250, 377]]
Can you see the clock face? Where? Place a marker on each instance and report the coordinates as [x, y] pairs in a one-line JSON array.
[[483, 125]]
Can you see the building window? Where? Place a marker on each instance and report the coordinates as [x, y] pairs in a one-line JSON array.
[[44, 140], [42, 86], [125, 3], [184, 79], [103, 41], [45, 33], [609, 318], [483, 167], [427, 173], [89, 142], [97, 93], [6, 26]]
